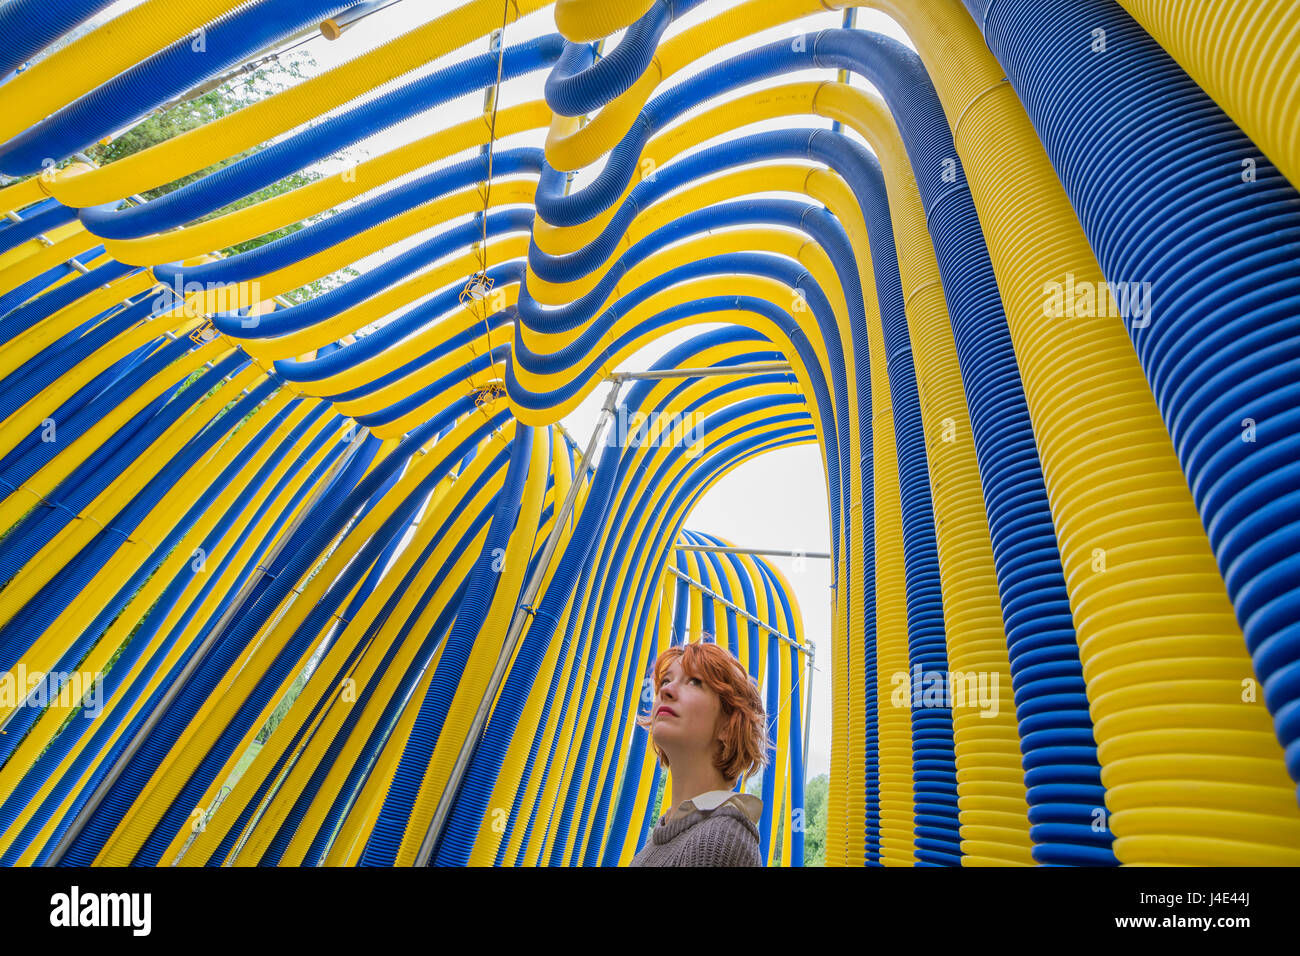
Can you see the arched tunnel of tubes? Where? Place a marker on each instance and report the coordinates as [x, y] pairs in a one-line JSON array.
[[351, 595]]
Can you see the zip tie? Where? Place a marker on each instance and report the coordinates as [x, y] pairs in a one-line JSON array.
[[920, 288], [126, 538], [956, 129], [57, 505]]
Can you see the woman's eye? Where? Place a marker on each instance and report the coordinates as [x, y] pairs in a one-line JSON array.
[[696, 679]]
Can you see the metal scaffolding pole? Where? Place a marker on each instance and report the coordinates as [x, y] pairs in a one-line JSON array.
[[719, 549], [119, 765], [807, 709], [704, 589], [754, 368], [470, 743]]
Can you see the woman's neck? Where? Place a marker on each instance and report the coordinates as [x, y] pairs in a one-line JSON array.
[[689, 781]]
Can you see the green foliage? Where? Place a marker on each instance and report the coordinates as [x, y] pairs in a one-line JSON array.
[[814, 820], [235, 94], [281, 709], [814, 834]]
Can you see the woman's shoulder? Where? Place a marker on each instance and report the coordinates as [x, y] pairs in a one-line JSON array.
[[731, 815], [725, 837]]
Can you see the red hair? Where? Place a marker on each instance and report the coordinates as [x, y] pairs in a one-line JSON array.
[[744, 745]]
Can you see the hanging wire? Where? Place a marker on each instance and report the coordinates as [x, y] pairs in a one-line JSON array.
[[479, 285], [492, 130]]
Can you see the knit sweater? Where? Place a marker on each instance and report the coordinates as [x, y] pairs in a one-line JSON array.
[[723, 836]]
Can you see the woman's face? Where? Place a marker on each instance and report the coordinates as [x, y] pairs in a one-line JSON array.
[[685, 713]]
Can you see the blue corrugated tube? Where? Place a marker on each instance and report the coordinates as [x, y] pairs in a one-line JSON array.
[[626, 552], [123, 697], [80, 412], [127, 97], [649, 579], [1046, 672], [18, 321], [341, 673], [35, 286], [469, 797], [223, 186], [1220, 345], [679, 356], [329, 304], [379, 736], [579, 84], [78, 648], [44, 607], [496, 736], [353, 220], [795, 702], [201, 683], [279, 844], [35, 223], [1063, 776], [304, 637], [29, 26], [481, 587]]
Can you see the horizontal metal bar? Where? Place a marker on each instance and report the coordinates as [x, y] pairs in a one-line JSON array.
[[45, 240], [751, 369], [739, 610], [334, 27], [718, 549]]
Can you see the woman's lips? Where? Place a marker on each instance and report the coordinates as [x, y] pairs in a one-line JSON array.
[[662, 711]]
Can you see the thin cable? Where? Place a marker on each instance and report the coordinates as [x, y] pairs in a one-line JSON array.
[[479, 284], [492, 142], [492, 130]]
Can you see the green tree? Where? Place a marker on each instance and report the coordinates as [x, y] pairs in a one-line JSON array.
[[281, 709], [266, 79], [814, 819], [814, 833]]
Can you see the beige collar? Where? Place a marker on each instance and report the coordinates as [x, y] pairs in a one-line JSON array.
[[746, 803]]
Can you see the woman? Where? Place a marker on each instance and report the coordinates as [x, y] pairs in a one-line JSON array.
[[708, 727]]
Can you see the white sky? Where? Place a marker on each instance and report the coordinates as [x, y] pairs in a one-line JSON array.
[[777, 501]]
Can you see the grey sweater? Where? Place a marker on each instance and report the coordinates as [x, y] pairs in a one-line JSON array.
[[721, 837]]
